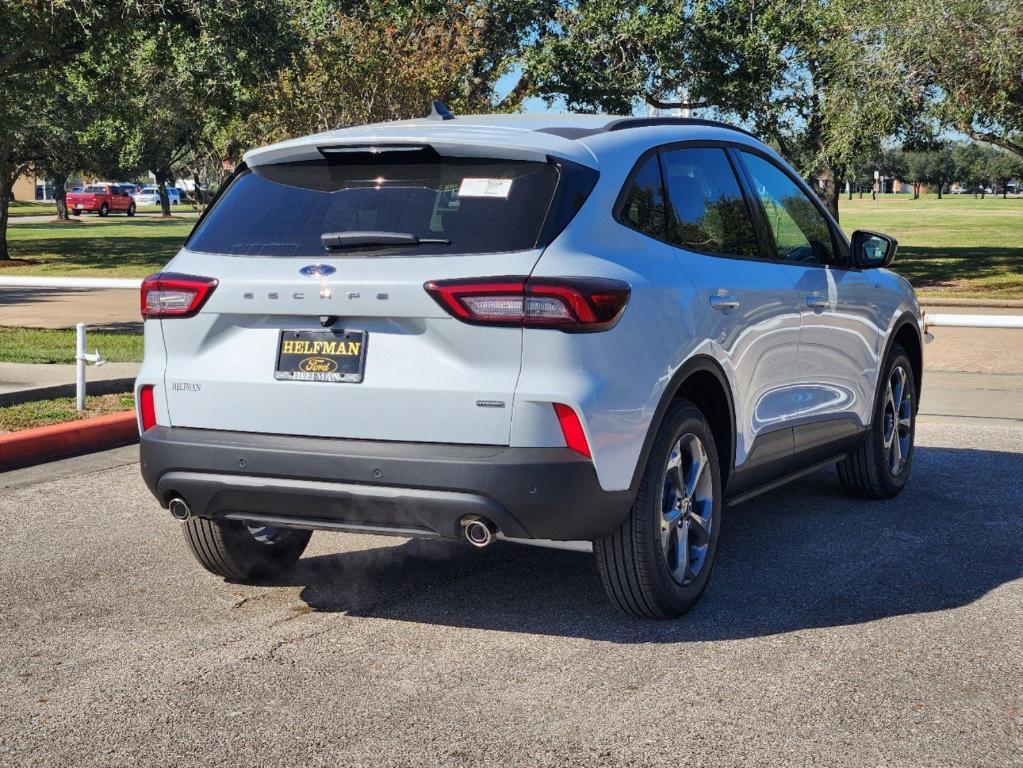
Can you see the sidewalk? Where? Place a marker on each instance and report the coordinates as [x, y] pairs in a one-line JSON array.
[[64, 307], [977, 350], [21, 382]]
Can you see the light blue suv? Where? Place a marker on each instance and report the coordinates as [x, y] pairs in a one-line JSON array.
[[576, 331]]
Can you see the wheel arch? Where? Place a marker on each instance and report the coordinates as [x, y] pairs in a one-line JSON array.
[[702, 381], [906, 333]]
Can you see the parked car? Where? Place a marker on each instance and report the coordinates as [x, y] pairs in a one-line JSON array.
[[585, 332], [102, 199], [151, 196]]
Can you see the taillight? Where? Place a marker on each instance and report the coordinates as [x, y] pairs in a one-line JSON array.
[[572, 429], [575, 304], [147, 407], [167, 294]]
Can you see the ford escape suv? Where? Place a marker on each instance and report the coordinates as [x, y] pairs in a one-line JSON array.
[[586, 332]]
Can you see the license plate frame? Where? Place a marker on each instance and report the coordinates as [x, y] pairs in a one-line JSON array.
[[319, 364]]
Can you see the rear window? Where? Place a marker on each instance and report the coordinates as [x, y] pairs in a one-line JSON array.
[[96, 189], [479, 205]]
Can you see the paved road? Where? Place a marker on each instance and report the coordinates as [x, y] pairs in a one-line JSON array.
[[835, 632]]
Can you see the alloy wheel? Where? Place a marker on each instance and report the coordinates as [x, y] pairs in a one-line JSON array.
[[264, 534], [687, 505], [897, 420]]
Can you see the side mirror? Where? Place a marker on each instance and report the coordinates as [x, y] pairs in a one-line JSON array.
[[872, 250]]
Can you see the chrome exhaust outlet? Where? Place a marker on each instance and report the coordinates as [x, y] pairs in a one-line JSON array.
[[179, 509], [480, 533]]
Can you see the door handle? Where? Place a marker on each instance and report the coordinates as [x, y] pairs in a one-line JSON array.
[[724, 302], [818, 303]]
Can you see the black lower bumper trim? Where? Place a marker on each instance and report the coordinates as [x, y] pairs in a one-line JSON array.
[[548, 493]]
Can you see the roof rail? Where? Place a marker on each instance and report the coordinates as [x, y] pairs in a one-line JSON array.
[[644, 122]]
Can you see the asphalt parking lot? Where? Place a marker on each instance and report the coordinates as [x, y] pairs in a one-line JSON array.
[[834, 632]]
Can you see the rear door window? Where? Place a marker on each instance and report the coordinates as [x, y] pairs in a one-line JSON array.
[[707, 210], [477, 205]]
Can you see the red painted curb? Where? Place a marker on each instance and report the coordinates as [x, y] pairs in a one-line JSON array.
[[34, 446]]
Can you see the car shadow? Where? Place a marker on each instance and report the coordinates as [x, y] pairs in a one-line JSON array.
[[798, 558]]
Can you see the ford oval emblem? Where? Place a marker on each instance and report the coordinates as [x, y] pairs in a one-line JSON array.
[[318, 270]]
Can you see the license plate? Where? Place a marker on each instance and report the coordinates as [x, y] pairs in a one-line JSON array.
[[336, 356], [78, 206]]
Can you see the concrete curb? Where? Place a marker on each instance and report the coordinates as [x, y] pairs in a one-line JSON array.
[[34, 446], [101, 387], [988, 303]]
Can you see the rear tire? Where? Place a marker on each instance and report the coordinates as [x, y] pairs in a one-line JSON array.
[[657, 564], [104, 209], [131, 210], [878, 467], [234, 550]]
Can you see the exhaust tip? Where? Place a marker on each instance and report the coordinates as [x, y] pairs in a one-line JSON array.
[[179, 509], [480, 533]]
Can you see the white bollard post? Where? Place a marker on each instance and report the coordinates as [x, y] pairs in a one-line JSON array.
[[80, 364]]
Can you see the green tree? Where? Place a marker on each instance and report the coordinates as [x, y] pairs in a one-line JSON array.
[[380, 60], [183, 74], [940, 169], [61, 138], [961, 59], [807, 77], [918, 163], [973, 166], [38, 37], [1005, 167]]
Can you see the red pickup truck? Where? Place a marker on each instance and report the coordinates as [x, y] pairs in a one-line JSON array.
[[102, 199]]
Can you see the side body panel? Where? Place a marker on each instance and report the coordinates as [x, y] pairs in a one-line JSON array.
[[756, 343], [840, 343]]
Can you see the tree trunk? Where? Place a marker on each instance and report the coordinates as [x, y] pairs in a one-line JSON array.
[[5, 199], [60, 195], [831, 194], [941, 185], [161, 181]]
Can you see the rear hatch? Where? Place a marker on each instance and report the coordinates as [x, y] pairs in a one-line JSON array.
[[314, 329]]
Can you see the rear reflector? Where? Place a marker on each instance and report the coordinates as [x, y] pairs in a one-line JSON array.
[[574, 304], [167, 294], [147, 407], [572, 429]]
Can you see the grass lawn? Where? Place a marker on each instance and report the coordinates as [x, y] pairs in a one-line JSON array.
[[30, 208], [40, 413], [26, 208], [110, 247], [953, 247], [957, 246], [40, 345]]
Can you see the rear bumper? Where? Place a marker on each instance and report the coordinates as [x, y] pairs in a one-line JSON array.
[[424, 488]]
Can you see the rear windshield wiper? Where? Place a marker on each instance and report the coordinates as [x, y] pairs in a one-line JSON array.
[[337, 240]]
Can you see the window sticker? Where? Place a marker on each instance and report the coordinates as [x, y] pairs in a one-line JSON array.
[[485, 187]]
